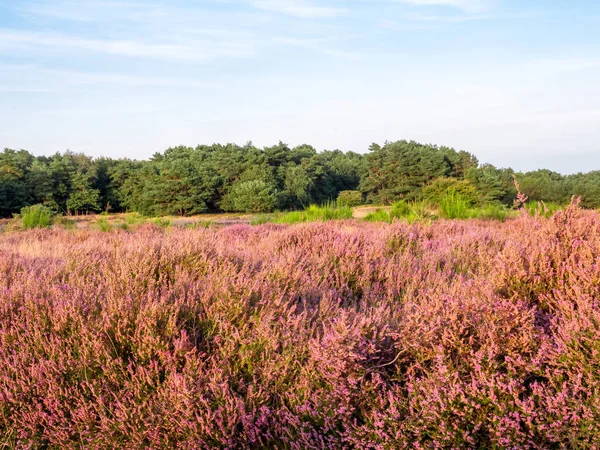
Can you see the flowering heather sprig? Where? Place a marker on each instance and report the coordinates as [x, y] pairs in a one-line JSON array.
[[461, 334], [521, 198]]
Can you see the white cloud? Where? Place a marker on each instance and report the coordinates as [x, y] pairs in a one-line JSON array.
[[297, 8], [31, 78], [188, 50], [465, 5]]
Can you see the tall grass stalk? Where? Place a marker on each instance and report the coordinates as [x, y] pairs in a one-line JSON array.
[[315, 213], [36, 216], [454, 206]]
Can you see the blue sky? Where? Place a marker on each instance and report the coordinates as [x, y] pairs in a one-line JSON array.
[[515, 82]]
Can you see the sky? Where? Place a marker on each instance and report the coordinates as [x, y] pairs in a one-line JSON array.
[[514, 82]]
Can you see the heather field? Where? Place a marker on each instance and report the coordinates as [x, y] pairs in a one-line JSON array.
[[341, 334]]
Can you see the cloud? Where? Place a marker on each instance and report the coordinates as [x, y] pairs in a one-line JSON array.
[[41, 79], [84, 10], [197, 50], [297, 8], [464, 5], [320, 44]]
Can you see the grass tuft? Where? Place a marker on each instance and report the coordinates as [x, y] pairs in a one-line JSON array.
[[36, 216]]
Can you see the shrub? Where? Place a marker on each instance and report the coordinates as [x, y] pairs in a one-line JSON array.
[[437, 191], [400, 210], [134, 219], [103, 225], [163, 222], [423, 211], [253, 196], [323, 335], [454, 206], [350, 198], [379, 215], [36, 216]]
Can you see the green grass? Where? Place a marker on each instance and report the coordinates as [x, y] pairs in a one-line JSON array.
[[163, 222], [259, 219], [134, 219], [103, 225], [199, 225], [379, 215], [454, 206], [420, 211], [64, 222], [492, 211], [451, 207], [543, 208], [36, 216], [315, 213]]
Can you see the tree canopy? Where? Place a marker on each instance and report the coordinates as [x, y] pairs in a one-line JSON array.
[[245, 178]]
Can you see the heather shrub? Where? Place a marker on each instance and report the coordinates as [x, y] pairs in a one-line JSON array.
[[36, 216], [453, 334]]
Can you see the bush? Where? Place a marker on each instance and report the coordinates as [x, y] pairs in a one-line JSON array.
[[325, 335], [423, 211], [36, 216], [252, 196], [163, 222], [379, 215], [350, 198], [439, 188], [400, 210], [454, 206], [103, 225], [133, 218]]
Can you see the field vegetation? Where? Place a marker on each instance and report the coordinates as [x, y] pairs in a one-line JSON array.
[[338, 334], [185, 181], [407, 298]]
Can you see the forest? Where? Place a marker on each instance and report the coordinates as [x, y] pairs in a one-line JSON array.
[[213, 178]]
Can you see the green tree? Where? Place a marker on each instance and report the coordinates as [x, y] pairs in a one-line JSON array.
[[14, 191], [251, 196], [40, 184], [83, 197], [399, 170]]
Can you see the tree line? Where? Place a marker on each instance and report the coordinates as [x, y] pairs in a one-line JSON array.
[[185, 181]]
